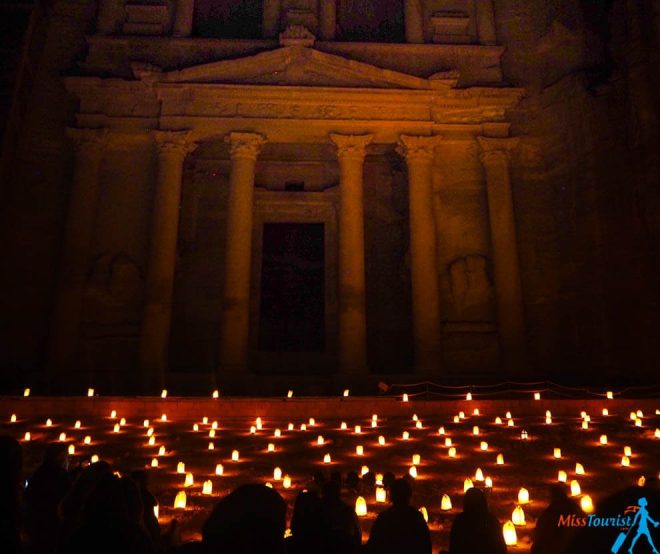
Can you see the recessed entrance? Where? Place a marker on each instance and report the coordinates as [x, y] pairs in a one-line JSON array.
[[292, 304]]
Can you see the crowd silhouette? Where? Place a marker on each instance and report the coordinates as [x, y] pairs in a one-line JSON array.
[[91, 509]]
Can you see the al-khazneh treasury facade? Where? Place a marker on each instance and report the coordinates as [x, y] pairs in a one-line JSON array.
[[293, 203]]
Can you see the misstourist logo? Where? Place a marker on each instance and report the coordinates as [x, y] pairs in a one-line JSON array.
[[634, 524]]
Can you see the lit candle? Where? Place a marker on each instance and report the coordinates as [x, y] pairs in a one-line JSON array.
[[216, 394], [510, 423], [518, 516], [467, 484], [94, 458], [509, 533], [87, 439], [483, 445], [62, 437], [26, 392], [537, 396], [277, 474], [625, 461], [214, 425], [500, 459], [498, 421], [346, 392], [259, 423], [77, 424], [122, 421], [161, 451], [416, 459], [90, 392], [72, 449], [479, 475], [49, 422], [489, 482], [587, 504], [320, 440], [562, 476], [508, 415], [211, 446], [381, 440], [360, 506], [413, 472], [13, 418], [380, 494], [523, 496], [207, 487], [468, 396], [627, 451], [579, 469], [150, 431], [145, 423], [327, 459], [475, 430], [359, 450], [452, 452], [606, 412], [219, 469], [195, 427], [289, 394], [271, 447], [445, 503], [603, 439], [156, 510], [163, 417], [447, 441], [405, 397], [358, 429], [610, 395], [418, 425], [234, 456], [303, 427], [441, 431], [405, 435], [180, 467], [424, 513], [253, 430], [286, 482], [189, 480], [163, 394], [116, 428], [557, 453], [343, 426], [575, 488], [154, 462], [180, 500], [113, 414], [277, 433], [364, 470]]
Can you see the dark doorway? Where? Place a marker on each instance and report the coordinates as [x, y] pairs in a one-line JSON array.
[[292, 310]]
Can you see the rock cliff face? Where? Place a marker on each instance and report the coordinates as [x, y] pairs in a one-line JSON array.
[[586, 182]]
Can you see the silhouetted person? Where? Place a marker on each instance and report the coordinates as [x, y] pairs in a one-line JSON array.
[[476, 530], [11, 466], [112, 522], [149, 519], [400, 528], [343, 524], [309, 529], [44, 492], [250, 520], [549, 537], [72, 507]]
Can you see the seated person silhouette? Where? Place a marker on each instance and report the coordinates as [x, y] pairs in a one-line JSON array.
[[476, 530], [400, 528]]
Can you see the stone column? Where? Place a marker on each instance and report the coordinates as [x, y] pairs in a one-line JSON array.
[[495, 154], [244, 149], [328, 19], [183, 18], [486, 22], [414, 21], [270, 26], [418, 151], [173, 147], [76, 252], [351, 150]]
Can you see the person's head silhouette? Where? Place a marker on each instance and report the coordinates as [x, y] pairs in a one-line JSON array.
[[642, 502], [401, 492]]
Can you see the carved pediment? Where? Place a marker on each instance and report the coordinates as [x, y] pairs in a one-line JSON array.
[[299, 66]]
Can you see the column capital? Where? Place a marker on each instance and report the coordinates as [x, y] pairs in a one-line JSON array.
[[414, 147], [351, 146], [245, 145], [174, 142], [496, 149], [86, 139]]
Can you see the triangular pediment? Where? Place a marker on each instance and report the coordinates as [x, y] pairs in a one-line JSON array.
[[297, 66]]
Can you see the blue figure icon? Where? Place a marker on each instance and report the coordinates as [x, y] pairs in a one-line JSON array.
[[642, 520]]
